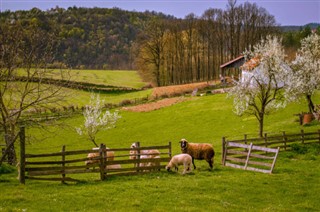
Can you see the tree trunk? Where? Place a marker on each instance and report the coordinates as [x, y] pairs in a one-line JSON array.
[[310, 104], [10, 151], [261, 119]]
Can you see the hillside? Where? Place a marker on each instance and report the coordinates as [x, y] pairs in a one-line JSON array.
[[297, 28], [97, 38]]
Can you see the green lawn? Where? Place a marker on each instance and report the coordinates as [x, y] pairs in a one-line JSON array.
[[294, 185], [117, 78], [121, 78]]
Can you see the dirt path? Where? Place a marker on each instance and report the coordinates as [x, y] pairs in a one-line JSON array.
[[155, 105]]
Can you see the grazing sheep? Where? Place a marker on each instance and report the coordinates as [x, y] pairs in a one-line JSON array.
[[93, 155], [149, 164], [198, 151], [181, 159], [149, 153], [114, 166]]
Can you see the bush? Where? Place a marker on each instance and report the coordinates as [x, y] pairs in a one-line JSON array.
[[6, 169], [299, 148], [311, 151], [125, 102]]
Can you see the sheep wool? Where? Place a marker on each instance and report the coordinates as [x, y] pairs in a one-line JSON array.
[[93, 155], [199, 151], [181, 159]]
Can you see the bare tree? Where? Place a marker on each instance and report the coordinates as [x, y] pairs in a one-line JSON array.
[[152, 49], [24, 53]]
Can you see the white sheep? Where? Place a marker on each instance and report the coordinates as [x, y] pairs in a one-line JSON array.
[[114, 166], [92, 156], [149, 164], [198, 151], [148, 153], [181, 159]]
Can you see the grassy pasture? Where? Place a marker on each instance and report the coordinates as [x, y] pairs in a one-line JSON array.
[[80, 98], [294, 185], [118, 78]]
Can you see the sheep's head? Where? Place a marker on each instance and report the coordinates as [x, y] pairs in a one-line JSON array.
[[133, 145], [183, 144], [168, 168]]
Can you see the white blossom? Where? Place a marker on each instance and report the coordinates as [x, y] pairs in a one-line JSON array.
[[96, 120], [305, 76], [261, 92]]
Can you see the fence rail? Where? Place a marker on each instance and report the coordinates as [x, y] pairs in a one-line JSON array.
[[56, 166], [249, 157], [281, 142]]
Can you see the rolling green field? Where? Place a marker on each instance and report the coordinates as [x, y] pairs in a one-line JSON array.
[[118, 78], [294, 185]]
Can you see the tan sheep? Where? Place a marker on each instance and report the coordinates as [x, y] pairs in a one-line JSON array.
[[181, 159], [200, 151], [93, 156], [114, 166]]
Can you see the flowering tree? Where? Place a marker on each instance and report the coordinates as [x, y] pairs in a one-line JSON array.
[[96, 120], [305, 77], [261, 92]]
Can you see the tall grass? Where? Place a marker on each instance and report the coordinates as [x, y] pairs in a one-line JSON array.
[[294, 185]]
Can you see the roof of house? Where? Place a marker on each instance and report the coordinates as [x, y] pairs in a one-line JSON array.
[[251, 64], [237, 61]]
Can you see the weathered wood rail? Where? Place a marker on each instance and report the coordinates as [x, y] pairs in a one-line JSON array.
[[60, 165], [254, 158], [283, 142]]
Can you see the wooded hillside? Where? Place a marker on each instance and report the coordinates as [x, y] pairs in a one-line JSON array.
[[165, 50], [95, 38]]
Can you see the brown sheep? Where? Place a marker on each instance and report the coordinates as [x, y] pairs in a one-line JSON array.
[[200, 151]]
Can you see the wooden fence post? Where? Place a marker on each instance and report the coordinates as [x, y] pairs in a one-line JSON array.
[[266, 139], [138, 155], [106, 163], [302, 136], [22, 178], [284, 140], [245, 140], [170, 150], [102, 154], [223, 150], [63, 154]]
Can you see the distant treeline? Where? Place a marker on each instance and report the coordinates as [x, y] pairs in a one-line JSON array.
[[192, 49], [94, 38], [165, 49]]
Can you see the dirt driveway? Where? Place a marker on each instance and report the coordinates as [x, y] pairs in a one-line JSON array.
[[155, 105]]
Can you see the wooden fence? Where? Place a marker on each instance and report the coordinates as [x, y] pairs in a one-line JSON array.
[[283, 142], [249, 157], [57, 166]]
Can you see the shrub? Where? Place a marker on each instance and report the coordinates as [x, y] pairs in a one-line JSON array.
[[310, 151], [125, 102], [299, 148], [6, 169]]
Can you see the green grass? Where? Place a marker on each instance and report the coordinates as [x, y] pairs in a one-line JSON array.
[[81, 98], [117, 78], [294, 185], [121, 78]]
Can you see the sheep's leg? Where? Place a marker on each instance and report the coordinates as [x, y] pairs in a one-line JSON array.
[[184, 170], [194, 166], [210, 161]]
